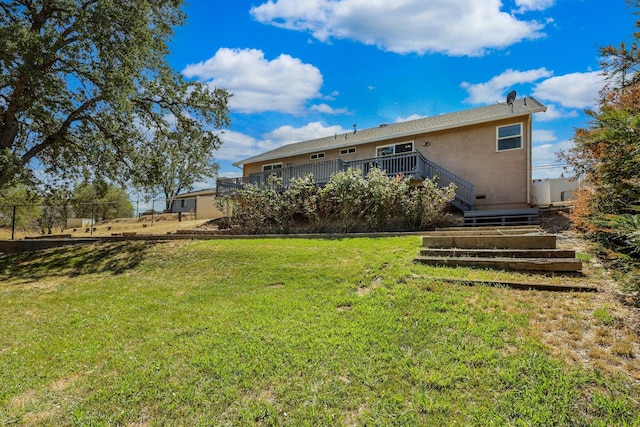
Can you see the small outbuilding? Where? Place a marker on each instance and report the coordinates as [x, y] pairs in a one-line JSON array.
[[202, 203]]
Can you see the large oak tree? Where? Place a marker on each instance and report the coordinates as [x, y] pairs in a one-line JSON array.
[[82, 83]]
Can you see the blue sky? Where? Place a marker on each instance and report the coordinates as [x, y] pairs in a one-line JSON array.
[[302, 69]]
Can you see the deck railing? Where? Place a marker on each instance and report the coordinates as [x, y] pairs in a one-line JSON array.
[[412, 165], [464, 190]]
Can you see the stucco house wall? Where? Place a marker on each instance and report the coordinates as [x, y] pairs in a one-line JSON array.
[[501, 178], [464, 143]]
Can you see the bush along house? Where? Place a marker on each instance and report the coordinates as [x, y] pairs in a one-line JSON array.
[[485, 151]]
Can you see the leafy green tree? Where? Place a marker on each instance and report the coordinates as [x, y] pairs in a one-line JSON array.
[[101, 201], [55, 208], [174, 159], [26, 202], [83, 81]]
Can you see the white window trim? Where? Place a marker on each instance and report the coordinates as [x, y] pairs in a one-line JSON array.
[[319, 156], [513, 136], [272, 165], [394, 146], [347, 151]]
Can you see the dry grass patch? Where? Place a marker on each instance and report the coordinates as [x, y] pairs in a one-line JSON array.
[[594, 330], [160, 224], [571, 326]]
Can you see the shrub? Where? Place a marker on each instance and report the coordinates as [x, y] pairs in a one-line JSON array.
[[384, 196], [347, 191], [350, 199], [423, 205], [258, 208]]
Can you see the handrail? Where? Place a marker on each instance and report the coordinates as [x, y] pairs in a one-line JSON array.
[[464, 189]]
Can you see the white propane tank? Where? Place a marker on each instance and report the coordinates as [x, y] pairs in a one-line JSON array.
[[541, 192]]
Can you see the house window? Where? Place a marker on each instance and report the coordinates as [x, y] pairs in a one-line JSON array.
[[316, 156], [271, 167], [386, 150], [509, 137], [350, 150], [183, 203]]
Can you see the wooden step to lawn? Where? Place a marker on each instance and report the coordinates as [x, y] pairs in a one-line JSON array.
[[498, 253], [486, 231], [493, 228], [495, 241], [503, 248], [551, 265]]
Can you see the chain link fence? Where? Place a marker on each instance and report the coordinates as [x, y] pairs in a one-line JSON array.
[[50, 219]]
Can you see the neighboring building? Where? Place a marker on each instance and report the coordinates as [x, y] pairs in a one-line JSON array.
[[553, 191], [79, 222], [201, 203], [485, 151]]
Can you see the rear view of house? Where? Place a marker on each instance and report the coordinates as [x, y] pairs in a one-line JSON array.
[[485, 151]]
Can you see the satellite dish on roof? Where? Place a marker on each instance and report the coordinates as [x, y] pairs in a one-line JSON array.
[[511, 96]]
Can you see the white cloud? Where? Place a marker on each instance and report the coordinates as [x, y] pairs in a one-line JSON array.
[[545, 156], [327, 109], [544, 136], [288, 134], [411, 117], [494, 90], [575, 90], [555, 112], [526, 5], [283, 84], [237, 146], [452, 27]]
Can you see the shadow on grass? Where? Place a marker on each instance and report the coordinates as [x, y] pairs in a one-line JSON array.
[[75, 260]]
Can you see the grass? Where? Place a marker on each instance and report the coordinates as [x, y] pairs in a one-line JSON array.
[[289, 332]]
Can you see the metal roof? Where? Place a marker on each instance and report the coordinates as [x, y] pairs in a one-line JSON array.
[[197, 193], [489, 113]]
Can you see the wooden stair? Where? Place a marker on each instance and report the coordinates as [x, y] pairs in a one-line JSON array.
[[503, 248]]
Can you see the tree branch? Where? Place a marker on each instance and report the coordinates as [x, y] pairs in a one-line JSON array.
[[61, 132]]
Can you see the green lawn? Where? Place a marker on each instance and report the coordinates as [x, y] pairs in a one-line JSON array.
[[278, 332]]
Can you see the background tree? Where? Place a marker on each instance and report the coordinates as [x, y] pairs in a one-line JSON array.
[[82, 80], [606, 156], [173, 160], [55, 208], [101, 201], [26, 201]]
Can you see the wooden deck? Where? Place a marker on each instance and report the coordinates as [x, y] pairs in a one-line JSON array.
[[502, 217], [413, 165]]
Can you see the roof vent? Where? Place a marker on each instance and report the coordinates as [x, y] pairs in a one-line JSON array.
[[383, 125]]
